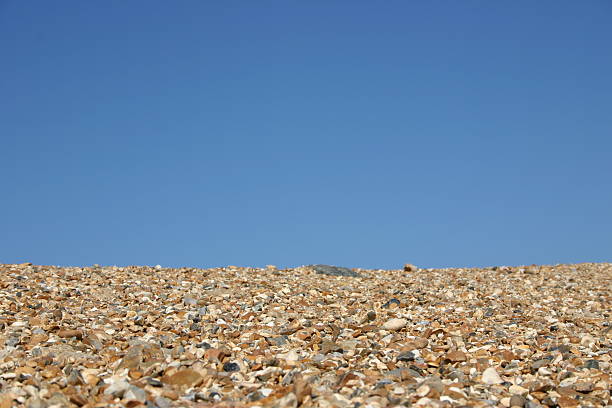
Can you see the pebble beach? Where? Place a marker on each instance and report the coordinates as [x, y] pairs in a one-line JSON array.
[[311, 336]]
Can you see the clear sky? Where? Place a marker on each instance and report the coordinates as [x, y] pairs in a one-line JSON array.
[[356, 133]]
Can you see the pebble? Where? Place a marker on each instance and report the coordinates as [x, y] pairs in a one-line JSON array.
[[395, 324], [185, 377], [134, 393], [517, 401], [231, 367], [490, 376], [406, 356], [391, 303], [330, 270], [456, 356]]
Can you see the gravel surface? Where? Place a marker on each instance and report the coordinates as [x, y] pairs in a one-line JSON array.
[[314, 336]]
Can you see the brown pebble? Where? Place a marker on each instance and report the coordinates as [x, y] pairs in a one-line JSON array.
[[68, 333], [456, 356]]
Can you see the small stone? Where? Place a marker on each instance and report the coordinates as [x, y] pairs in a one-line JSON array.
[[592, 364], [420, 342], [162, 402], [517, 389], [395, 324], [543, 371], [566, 402], [288, 401], [301, 388], [423, 390], [35, 402], [216, 355], [185, 377], [135, 394], [189, 301], [539, 363], [278, 341], [38, 338], [78, 399], [290, 357], [517, 401], [456, 356], [391, 303], [75, 378], [330, 346], [58, 400], [584, 386], [93, 341], [70, 333], [587, 341], [117, 386], [6, 400], [410, 268], [490, 376], [231, 367], [334, 271], [12, 341], [406, 356]]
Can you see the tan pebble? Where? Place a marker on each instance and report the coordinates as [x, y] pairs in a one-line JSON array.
[[287, 401], [301, 388], [38, 338], [186, 377], [395, 324], [490, 376], [517, 401], [68, 333], [583, 386], [517, 389], [587, 341], [410, 268], [25, 370], [420, 342], [566, 402], [423, 390], [170, 394], [456, 356], [6, 400], [216, 355]]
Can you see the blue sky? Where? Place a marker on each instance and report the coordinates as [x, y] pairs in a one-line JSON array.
[[358, 133]]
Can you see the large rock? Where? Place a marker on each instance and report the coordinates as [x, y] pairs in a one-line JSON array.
[[334, 271]]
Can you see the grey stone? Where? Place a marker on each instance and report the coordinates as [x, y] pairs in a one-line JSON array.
[[188, 300], [330, 270], [135, 394], [231, 367], [517, 401], [163, 402], [35, 402], [539, 363], [278, 341], [406, 356]]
